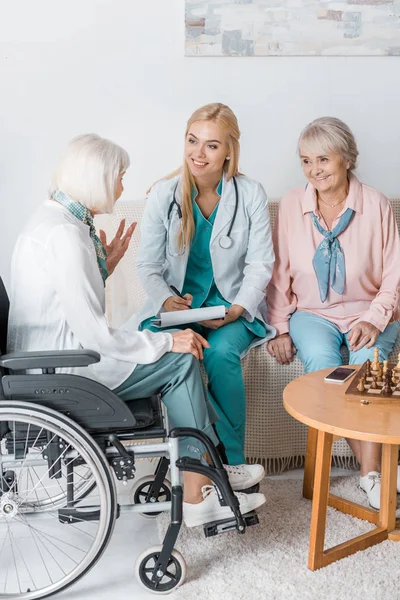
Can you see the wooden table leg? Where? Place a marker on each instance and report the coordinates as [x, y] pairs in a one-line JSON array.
[[323, 459], [342, 504], [309, 466], [318, 557], [387, 513]]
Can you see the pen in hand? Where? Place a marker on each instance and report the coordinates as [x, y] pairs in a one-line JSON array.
[[177, 293]]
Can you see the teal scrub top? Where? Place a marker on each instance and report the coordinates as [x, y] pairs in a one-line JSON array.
[[199, 278]]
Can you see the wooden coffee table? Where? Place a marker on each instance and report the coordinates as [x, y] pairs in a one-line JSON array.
[[324, 408]]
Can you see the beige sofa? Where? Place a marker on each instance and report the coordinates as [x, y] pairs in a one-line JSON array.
[[272, 436]]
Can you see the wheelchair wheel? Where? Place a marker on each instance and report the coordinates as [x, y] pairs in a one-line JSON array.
[[141, 494], [56, 498], [174, 575], [45, 550]]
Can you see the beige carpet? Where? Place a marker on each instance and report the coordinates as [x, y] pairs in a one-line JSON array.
[[270, 561]]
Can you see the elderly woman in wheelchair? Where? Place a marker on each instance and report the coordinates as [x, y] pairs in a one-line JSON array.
[[63, 420]]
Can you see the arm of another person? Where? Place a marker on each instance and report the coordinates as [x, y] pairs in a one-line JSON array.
[[152, 257], [378, 316], [281, 300]]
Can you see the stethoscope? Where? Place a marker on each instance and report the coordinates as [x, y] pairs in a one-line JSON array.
[[225, 241]]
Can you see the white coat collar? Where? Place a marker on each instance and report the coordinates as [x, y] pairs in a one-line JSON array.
[[176, 185], [226, 204]]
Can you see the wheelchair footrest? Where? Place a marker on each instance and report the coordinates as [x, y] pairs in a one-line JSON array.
[[216, 527], [77, 515], [251, 490]]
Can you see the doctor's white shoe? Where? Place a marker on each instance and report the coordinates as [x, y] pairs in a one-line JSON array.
[[242, 477], [211, 510]]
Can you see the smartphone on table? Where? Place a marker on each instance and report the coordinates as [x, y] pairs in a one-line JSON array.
[[339, 375]]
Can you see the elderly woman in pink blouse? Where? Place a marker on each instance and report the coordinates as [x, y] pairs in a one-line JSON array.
[[337, 270]]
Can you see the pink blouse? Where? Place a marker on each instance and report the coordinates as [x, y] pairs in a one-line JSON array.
[[371, 249]]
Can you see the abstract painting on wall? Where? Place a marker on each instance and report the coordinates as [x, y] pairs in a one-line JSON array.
[[292, 27]]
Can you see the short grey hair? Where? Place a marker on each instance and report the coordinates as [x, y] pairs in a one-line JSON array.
[[328, 134], [88, 172]]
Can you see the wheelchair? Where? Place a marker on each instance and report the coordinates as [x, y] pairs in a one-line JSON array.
[[64, 441]]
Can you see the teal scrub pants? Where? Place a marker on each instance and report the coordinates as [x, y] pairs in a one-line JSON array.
[[318, 342], [178, 379], [225, 381]]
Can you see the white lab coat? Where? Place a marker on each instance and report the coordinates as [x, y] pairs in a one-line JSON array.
[[241, 272], [58, 300]]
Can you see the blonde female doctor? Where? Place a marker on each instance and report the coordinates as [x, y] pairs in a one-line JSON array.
[[206, 232]]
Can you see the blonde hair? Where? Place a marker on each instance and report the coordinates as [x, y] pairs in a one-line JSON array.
[[224, 117], [88, 171], [328, 134]]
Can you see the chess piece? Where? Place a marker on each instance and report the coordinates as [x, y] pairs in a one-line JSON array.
[[394, 380], [368, 368], [397, 367], [387, 388], [385, 367], [380, 372], [375, 363], [374, 384], [361, 384]]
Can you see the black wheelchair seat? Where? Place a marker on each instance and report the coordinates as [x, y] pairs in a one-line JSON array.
[[145, 411], [92, 405]]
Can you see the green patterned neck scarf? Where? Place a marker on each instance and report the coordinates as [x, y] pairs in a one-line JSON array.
[[83, 214]]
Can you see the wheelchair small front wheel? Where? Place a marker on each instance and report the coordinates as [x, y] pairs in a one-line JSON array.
[[142, 494], [173, 577]]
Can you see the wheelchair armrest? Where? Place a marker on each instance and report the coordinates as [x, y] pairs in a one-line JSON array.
[[49, 360]]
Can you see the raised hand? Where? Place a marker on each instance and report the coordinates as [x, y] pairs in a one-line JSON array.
[[118, 246]]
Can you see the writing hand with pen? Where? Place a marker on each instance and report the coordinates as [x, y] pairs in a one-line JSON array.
[[186, 341], [177, 302]]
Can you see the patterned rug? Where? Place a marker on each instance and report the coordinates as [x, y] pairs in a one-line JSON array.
[[270, 561]]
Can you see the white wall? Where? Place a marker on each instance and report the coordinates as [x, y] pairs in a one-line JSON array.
[[116, 67]]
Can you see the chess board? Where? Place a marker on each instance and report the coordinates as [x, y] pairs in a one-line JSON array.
[[369, 395]]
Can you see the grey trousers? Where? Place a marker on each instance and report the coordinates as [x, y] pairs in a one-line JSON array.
[[178, 379]]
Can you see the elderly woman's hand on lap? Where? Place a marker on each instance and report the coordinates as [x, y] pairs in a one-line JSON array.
[[282, 348], [189, 342], [363, 334]]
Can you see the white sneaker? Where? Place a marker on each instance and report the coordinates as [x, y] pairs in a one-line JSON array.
[[371, 484], [242, 477], [211, 510]]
